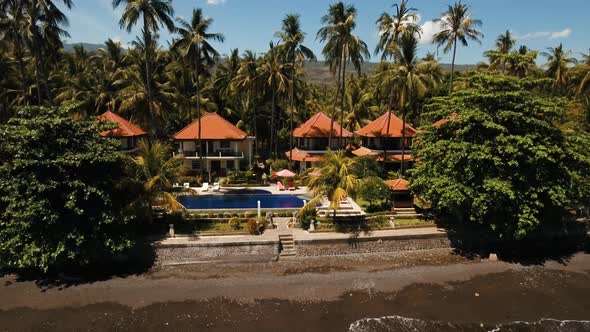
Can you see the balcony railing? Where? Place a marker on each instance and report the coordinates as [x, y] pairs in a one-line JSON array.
[[210, 154]]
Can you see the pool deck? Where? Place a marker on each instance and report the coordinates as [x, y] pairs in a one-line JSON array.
[[273, 189]]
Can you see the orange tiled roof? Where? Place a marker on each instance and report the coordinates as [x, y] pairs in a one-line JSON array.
[[445, 120], [364, 152], [397, 184], [214, 128], [319, 126], [378, 128], [299, 155], [126, 128]]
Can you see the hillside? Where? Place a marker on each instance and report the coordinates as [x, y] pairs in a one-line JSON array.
[[319, 73]]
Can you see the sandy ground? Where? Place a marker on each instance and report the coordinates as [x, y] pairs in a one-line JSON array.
[[314, 294]]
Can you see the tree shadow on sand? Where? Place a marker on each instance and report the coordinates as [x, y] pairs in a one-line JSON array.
[[137, 260], [557, 243]]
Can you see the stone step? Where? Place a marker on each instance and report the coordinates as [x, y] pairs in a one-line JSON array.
[[287, 254]]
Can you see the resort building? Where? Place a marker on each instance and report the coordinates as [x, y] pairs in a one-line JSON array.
[[452, 117], [401, 195], [375, 138], [225, 146], [126, 132], [311, 140]]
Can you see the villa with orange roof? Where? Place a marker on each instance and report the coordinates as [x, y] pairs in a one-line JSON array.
[[375, 139], [225, 146], [126, 132], [311, 140]]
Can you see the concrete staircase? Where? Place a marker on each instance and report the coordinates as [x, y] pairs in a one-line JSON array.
[[406, 213], [287, 245]]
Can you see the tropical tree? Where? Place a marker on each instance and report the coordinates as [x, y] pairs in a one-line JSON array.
[[457, 27], [296, 54], [342, 46], [68, 208], [558, 62], [273, 73], [246, 80], [157, 170], [498, 57], [407, 79], [194, 46], [390, 27], [154, 14], [335, 180]]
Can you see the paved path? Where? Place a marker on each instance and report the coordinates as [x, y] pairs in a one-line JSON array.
[[298, 234]]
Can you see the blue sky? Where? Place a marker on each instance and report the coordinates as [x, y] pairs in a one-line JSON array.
[[250, 24]]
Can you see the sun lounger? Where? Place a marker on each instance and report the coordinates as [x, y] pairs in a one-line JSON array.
[[175, 185], [216, 186], [280, 186], [205, 186], [187, 185], [291, 186]]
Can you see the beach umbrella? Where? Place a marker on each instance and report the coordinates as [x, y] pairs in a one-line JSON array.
[[285, 174]]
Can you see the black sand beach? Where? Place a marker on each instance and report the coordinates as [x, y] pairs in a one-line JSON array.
[[410, 289]]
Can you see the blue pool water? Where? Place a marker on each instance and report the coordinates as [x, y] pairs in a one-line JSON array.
[[242, 199]]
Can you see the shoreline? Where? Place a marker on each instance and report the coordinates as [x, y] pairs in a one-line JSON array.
[[311, 294]]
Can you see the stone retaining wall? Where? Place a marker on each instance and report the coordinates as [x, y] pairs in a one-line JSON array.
[[371, 245], [203, 252]]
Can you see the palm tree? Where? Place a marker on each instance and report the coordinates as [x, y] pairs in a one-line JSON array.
[[132, 93], [558, 62], [341, 47], [42, 29], [273, 73], [335, 180], [457, 26], [504, 44], [406, 79], [522, 62], [194, 45], [155, 14], [246, 79], [158, 170], [296, 54], [223, 83], [390, 27]]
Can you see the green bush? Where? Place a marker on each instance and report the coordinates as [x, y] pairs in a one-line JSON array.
[[305, 217], [279, 164], [234, 223]]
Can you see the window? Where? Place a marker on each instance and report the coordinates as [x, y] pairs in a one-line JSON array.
[[224, 144], [196, 164]]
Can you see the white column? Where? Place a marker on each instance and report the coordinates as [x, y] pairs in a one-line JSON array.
[[259, 213]]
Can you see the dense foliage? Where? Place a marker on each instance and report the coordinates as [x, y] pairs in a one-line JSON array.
[[502, 162], [63, 198]]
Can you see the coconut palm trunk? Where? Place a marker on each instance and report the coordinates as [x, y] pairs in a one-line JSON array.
[[453, 66], [387, 133], [333, 115], [198, 88], [272, 115], [343, 94], [148, 85]]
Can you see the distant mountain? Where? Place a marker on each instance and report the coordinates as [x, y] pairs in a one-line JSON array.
[[88, 46], [319, 73]]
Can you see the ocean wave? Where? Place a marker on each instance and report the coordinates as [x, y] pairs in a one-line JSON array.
[[404, 324]]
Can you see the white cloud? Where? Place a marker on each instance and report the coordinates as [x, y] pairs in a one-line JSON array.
[[215, 2], [429, 29], [561, 34], [546, 34]]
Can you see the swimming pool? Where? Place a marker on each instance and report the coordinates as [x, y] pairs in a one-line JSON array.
[[242, 199]]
